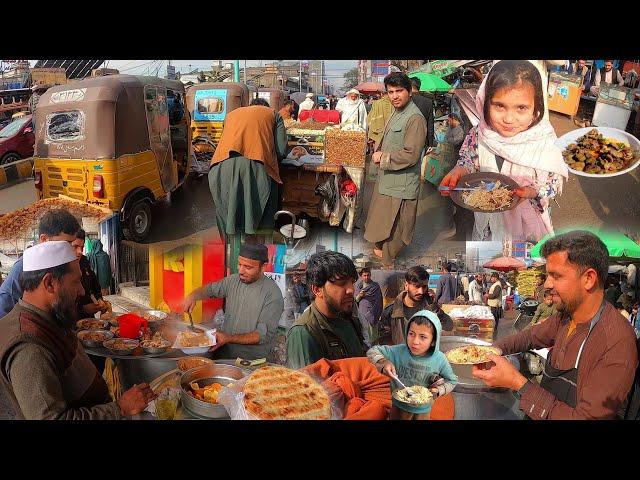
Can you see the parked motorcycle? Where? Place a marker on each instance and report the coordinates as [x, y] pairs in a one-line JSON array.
[[527, 310]]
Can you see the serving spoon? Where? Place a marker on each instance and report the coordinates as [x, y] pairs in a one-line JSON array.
[[487, 187]]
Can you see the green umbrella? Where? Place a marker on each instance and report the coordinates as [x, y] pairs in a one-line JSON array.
[[619, 246], [431, 83]]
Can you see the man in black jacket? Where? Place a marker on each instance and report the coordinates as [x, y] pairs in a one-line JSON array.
[[425, 106]]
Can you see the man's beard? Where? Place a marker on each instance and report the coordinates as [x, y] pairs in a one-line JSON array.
[[334, 307], [416, 297], [567, 306], [65, 311]]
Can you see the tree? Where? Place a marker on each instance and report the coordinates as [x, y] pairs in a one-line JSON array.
[[350, 78]]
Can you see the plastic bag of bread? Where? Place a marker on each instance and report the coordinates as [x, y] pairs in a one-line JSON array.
[[278, 393]]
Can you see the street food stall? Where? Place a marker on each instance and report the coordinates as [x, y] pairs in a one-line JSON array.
[[471, 321], [323, 172]]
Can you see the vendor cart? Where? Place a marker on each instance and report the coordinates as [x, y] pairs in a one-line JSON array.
[[323, 173]]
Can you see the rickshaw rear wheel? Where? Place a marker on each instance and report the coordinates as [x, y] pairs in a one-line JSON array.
[[138, 225]]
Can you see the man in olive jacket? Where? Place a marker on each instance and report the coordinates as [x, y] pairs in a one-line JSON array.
[[329, 328], [392, 213]]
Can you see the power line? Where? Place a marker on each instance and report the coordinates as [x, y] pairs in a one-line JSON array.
[[136, 66]]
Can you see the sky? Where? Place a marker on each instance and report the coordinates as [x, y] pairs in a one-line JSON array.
[[487, 249], [334, 68]]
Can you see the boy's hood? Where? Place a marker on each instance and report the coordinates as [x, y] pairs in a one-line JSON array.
[[434, 319]]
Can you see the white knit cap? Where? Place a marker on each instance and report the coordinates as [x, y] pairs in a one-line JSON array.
[[47, 255], [353, 90], [309, 95]]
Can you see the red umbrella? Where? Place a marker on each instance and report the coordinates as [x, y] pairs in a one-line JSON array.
[[370, 87], [505, 264]]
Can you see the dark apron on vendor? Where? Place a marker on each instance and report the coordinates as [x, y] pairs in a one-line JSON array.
[[563, 384]]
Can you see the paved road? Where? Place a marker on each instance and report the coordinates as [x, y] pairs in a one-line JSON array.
[[17, 196], [593, 201], [189, 211]]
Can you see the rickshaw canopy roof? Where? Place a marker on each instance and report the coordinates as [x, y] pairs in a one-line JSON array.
[[112, 115]]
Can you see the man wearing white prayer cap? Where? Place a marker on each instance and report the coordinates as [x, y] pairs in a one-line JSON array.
[[44, 371], [307, 104], [352, 109], [56, 224]]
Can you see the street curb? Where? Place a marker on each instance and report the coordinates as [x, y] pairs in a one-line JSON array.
[[16, 172]]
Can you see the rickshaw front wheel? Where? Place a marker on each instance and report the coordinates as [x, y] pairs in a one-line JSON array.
[[138, 224]]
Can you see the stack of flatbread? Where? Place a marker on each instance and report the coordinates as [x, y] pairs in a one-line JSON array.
[[278, 393]]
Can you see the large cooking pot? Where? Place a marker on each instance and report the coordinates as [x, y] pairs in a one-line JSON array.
[[473, 399], [206, 375]]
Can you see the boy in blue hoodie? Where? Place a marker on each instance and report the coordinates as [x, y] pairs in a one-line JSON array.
[[418, 361]]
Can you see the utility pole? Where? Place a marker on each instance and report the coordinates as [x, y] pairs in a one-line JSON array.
[[245, 72], [300, 77], [236, 70]]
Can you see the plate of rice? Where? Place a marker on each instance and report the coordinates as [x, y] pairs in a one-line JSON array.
[[500, 199]]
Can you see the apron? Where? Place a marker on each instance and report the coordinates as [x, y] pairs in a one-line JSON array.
[[563, 383]]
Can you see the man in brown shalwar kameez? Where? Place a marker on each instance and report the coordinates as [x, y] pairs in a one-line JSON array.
[[45, 374], [392, 213]]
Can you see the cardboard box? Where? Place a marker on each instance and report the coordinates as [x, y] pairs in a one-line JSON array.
[[564, 93]]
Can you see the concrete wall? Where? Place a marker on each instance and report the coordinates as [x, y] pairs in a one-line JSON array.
[[16, 172]]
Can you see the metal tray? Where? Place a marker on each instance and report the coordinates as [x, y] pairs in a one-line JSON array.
[[90, 343], [103, 324], [156, 350], [467, 383], [474, 179]]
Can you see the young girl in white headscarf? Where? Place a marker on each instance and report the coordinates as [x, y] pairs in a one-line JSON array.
[[352, 109], [515, 139]]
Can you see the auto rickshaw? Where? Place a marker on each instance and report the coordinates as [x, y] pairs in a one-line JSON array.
[[208, 103], [274, 96], [120, 141]]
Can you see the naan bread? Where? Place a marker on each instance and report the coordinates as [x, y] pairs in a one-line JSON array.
[[278, 393]]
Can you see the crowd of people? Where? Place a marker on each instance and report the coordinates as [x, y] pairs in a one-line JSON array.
[[585, 317], [47, 374]]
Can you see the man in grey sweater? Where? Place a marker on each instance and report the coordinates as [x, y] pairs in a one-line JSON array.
[[253, 307]]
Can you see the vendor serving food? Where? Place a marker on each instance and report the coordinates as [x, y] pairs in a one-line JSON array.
[[513, 138], [45, 371], [253, 307], [591, 368]]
